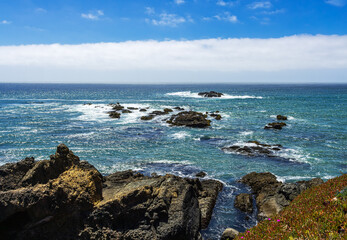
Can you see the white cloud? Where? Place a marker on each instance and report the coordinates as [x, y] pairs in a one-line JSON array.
[[149, 11], [226, 55], [178, 2], [256, 5], [274, 12], [165, 19], [93, 16], [337, 3], [5, 22], [226, 3], [40, 10], [226, 16]]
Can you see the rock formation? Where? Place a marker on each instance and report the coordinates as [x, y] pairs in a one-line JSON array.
[[210, 94], [190, 119], [65, 198], [254, 149]]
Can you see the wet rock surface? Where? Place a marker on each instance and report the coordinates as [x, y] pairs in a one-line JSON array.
[[65, 198], [271, 195], [244, 202], [281, 117], [210, 94], [254, 149], [275, 125], [190, 119]]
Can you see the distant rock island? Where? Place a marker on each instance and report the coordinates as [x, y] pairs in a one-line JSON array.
[[210, 94]]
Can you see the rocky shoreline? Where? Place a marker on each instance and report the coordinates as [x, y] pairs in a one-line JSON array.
[[65, 198]]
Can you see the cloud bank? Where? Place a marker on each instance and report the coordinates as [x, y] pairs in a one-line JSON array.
[[223, 57]]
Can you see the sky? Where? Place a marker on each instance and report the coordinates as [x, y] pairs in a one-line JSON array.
[[173, 41]]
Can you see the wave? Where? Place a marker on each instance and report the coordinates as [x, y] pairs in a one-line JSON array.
[[189, 94], [180, 135]]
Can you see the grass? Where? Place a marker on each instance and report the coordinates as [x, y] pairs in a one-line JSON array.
[[318, 213]]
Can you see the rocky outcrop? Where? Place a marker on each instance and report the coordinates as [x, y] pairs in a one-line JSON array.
[[190, 119], [229, 234], [271, 195], [65, 198], [210, 94], [244, 202], [216, 116], [255, 149], [114, 114], [281, 117], [275, 125]]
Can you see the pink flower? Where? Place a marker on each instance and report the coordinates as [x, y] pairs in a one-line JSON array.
[[269, 219], [278, 220]]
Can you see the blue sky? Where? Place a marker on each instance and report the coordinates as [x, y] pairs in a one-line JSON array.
[[174, 41], [90, 21]]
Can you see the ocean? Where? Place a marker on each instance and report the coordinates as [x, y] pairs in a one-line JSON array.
[[35, 118]]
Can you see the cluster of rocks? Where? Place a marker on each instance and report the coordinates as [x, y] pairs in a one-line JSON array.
[[255, 149], [271, 196], [117, 109], [158, 113], [210, 94], [65, 198], [277, 125]]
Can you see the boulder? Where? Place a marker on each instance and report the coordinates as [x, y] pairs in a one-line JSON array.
[[275, 125], [168, 110], [200, 174], [216, 116], [132, 108], [146, 118], [210, 94], [281, 117], [117, 107], [190, 119], [229, 234], [143, 110], [126, 111], [271, 195], [114, 114], [179, 108], [65, 198], [244, 202]]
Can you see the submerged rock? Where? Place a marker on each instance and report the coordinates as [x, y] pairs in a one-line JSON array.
[[146, 118], [216, 116], [210, 94], [126, 111], [65, 198], [275, 125], [190, 119], [117, 107], [271, 195], [254, 149]]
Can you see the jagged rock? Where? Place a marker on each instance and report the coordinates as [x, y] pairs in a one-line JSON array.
[[179, 108], [216, 116], [254, 149], [210, 94], [117, 107], [275, 125], [126, 111], [229, 234], [72, 200], [271, 195], [200, 174], [189, 119], [244, 202], [281, 117], [146, 118], [114, 114]]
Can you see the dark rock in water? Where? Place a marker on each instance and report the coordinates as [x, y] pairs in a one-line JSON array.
[[146, 118], [229, 234], [65, 198], [200, 174], [126, 111], [254, 150], [216, 116], [281, 117], [159, 113], [179, 108], [114, 114], [168, 110], [271, 195], [117, 107], [132, 108], [143, 110], [244, 202], [210, 94], [275, 125], [189, 119]]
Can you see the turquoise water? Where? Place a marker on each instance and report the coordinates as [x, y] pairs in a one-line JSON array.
[[35, 118]]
